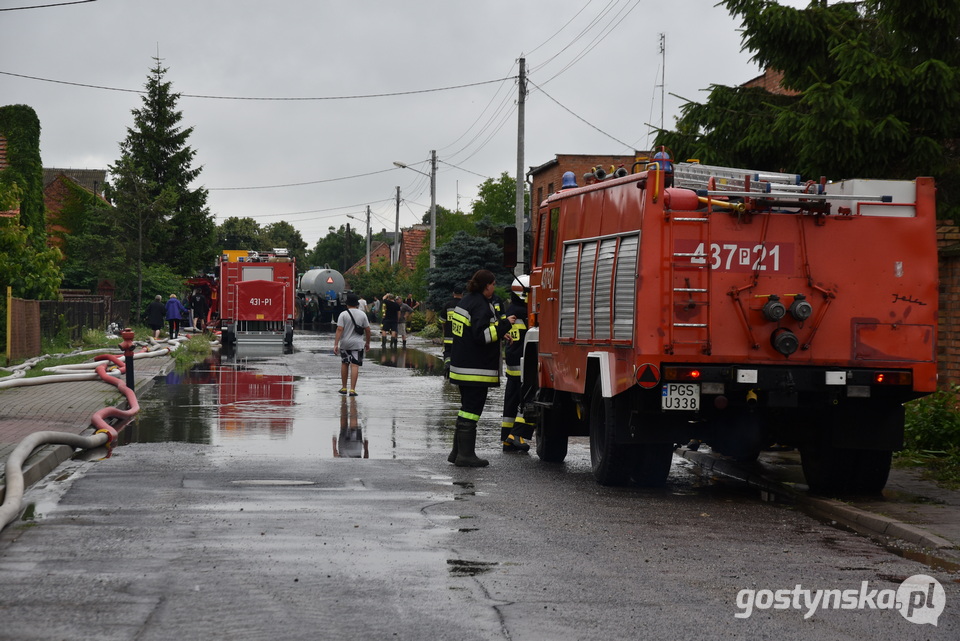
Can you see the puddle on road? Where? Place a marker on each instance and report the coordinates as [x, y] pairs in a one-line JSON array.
[[421, 363], [246, 402]]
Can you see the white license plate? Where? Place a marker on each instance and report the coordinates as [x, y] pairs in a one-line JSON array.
[[681, 396]]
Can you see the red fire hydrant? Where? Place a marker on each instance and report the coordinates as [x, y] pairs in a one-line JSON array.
[[127, 348]]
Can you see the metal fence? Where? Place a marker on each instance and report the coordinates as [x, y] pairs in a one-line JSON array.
[[32, 321]]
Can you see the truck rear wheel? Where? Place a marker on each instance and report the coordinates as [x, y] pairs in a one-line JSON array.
[[551, 432], [646, 464], [834, 470], [608, 460]]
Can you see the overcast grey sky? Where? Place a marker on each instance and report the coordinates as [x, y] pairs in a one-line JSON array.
[[595, 69]]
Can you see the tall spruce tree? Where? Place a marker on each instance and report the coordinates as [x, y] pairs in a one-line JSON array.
[[877, 90], [167, 222]]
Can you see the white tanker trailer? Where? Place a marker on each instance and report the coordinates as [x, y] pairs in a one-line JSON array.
[[324, 293]]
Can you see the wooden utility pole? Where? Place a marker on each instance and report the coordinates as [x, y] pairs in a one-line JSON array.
[[433, 206], [521, 177], [368, 237], [395, 250]]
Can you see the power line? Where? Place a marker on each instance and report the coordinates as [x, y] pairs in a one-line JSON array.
[[557, 32], [482, 112], [466, 170], [45, 6], [315, 211], [593, 22], [581, 119], [312, 182], [252, 98], [614, 22]]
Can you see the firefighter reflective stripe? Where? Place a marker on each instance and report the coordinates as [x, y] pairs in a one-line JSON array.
[[459, 319], [490, 333], [512, 372], [468, 416], [507, 422], [471, 375], [448, 329], [517, 329]]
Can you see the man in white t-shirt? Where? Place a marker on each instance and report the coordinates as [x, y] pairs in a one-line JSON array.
[[351, 340]]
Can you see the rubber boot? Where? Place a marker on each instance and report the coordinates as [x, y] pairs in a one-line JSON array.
[[466, 436], [515, 443], [393, 341], [508, 445], [452, 457]]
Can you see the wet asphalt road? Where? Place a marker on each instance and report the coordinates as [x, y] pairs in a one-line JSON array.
[[227, 516]]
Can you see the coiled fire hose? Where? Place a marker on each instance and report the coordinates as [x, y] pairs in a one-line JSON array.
[[105, 434]]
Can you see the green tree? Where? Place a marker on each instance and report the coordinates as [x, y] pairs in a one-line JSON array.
[[383, 278], [91, 250], [449, 223], [239, 233], [28, 272], [338, 249], [20, 127], [284, 235], [26, 263], [496, 202], [151, 185], [879, 89], [457, 261]]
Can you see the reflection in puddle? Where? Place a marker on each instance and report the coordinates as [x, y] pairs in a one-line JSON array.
[[422, 363], [277, 404], [350, 443]]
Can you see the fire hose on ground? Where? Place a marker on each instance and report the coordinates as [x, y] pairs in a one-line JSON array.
[[104, 434]]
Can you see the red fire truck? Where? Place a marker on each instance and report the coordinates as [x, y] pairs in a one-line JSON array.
[[734, 307], [256, 297]]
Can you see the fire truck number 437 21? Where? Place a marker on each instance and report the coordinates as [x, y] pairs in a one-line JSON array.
[[734, 307], [740, 256]]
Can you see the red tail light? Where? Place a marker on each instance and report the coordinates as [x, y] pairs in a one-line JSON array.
[[681, 373], [893, 378]]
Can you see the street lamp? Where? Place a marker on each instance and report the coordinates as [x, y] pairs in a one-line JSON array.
[[433, 199]]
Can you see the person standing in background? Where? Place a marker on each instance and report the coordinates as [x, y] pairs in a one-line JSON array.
[[448, 308], [402, 318], [391, 313], [200, 308], [350, 342], [155, 313], [175, 313]]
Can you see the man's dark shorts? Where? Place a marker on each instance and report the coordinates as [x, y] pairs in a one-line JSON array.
[[351, 356], [389, 326]]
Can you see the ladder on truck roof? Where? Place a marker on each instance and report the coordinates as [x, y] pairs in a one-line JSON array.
[[692, 175], [689, 282], [781, 189]]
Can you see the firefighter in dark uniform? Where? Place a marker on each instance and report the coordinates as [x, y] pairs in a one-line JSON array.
[[513, 430], [448, 308], [475, 362]]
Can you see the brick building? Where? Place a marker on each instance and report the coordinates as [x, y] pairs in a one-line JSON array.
[[379, 251], [60, 193], [547, 178], [948, 337]]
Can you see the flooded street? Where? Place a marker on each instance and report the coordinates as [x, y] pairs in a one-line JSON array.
[[263, 401]]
